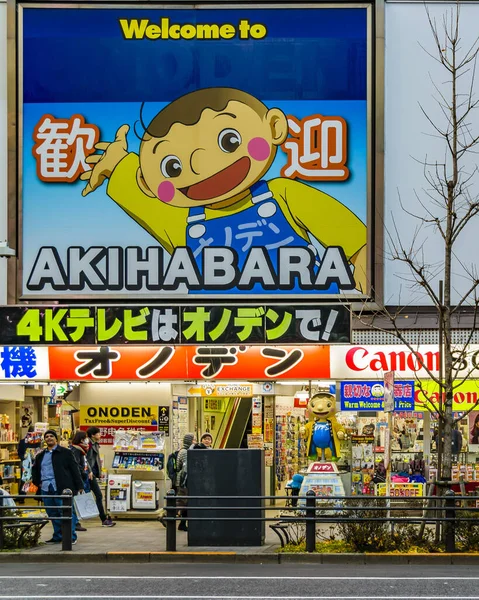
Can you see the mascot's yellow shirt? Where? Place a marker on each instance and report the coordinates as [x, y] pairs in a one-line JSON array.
[[305, 208]]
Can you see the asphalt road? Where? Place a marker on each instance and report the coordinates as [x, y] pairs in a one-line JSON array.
[[238, 582]]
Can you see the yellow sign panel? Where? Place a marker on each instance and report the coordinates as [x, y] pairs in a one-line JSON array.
[[401, 490], [466, 396], [119, 416]]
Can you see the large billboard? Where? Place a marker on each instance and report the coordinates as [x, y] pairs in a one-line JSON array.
[[192, 152]]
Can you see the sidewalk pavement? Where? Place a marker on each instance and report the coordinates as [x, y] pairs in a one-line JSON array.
[[145, 541], [134, 539]]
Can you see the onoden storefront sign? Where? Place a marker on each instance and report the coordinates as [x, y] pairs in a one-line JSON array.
[[111, 418]]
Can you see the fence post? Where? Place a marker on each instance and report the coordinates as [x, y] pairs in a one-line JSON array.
[[310, 524], [66, 511], [170, 521], [451, 524], [2, 514]]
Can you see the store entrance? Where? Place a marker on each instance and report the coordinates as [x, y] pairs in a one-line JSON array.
[[227, 419]]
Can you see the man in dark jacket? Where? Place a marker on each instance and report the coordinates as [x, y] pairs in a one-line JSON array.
[[94, 460], [53, 471]]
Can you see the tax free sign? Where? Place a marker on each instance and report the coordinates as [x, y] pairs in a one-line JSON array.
[[226, 168]]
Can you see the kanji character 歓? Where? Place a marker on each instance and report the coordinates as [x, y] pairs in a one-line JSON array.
[[215, 357], [79, 319], [164, 324], [97, 362], [285, 360], [156, 363], [18, 361], [62, 146], [317, 149], [197, 319], [281, 328], [220, 328], [247, 319]]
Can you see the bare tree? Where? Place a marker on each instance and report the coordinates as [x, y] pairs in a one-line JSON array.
[[449, 202]]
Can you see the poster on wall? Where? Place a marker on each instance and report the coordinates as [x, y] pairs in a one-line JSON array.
[[473, 420], [217, 151]]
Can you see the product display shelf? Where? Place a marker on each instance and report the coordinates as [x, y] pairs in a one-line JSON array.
[[8, 443], [125, 461]]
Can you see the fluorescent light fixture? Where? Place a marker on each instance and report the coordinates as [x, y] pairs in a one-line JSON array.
[[314, 383]]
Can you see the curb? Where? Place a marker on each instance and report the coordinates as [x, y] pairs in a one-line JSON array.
[[233, 557]]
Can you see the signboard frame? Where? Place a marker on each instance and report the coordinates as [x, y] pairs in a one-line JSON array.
[[375, 86]]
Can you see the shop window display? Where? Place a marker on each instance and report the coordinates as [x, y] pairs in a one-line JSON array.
[[290, 448]]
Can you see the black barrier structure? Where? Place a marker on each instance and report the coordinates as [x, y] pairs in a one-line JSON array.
[[9, 517], [216, 511], [212, 476]]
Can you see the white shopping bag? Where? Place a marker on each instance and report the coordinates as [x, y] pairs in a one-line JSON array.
[[85, 506]]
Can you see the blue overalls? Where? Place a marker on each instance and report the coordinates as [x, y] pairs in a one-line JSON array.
[[261, 225], [322, 438]]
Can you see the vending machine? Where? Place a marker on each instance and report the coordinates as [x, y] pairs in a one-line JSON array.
[[144, 495], [118, 493]]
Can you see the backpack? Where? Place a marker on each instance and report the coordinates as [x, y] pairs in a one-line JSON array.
[[171, 466]]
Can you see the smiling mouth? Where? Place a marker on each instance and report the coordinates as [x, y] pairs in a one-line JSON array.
[[220, 183], [321, 413]]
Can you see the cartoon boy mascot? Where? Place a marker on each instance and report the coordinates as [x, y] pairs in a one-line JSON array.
[[324, 432], [198, 183]]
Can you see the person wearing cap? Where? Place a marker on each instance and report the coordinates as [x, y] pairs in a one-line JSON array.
[[54, 471]]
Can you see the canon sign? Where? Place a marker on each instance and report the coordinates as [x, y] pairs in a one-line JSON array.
[[363, 362]]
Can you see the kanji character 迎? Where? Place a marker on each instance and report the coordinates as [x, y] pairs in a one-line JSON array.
[[285, 360], [130, 322], [281, 328], [79, 319], [97, 362], [62, 146], [198, 319], [18, 361], [247, 319], [104, 333], [316, 149], [215, 357], [218, 331], [163, 325], [155, 364]]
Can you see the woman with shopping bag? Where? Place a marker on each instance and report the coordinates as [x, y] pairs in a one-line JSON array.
[[80, 448]]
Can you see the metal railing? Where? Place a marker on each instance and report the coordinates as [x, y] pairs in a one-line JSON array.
[[12, 520], [311, 510]]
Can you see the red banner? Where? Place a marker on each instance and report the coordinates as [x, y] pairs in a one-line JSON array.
[[129, 363]]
